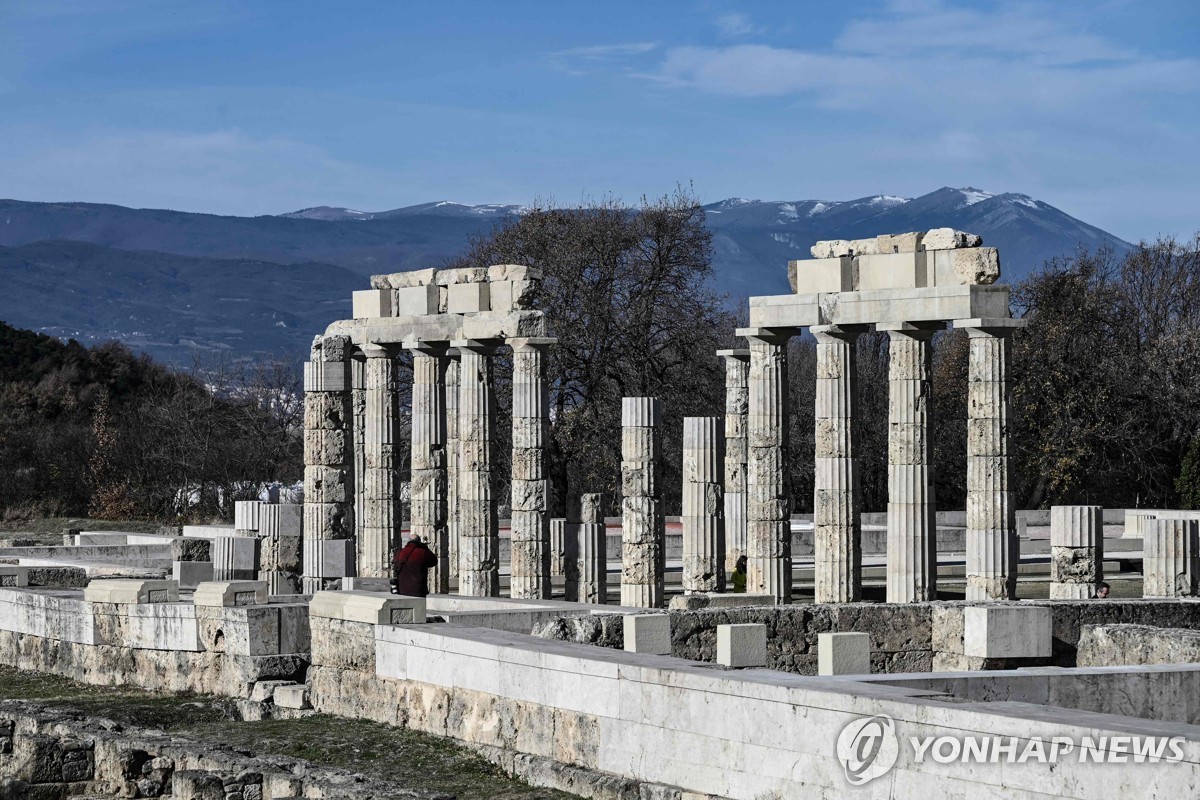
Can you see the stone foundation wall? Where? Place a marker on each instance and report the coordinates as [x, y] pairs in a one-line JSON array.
[[1113, 645], [48, 753]]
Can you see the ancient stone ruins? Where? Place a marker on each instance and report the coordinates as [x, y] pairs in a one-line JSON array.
[[611, 657]]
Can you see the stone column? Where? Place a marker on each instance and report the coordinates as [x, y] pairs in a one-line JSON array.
[[769, 531], [427, 497], [837, 532], [737, 405], [558, 546], [381, 501], [643, 528], [358, 405], [329, 491], [703, 505], [911, 529], [592, 548], [452, 456], [1076, 551], [479, 533], [1170, 552], [993, 547], [530, 560]]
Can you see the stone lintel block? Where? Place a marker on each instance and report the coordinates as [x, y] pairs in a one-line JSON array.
[[812, 276], [131, 591], [13, 577], [230, 593], [640, 412], [1007, 631], [415, 301], [893, 271], [372, 303], [374, 608], [326, 376], [468, 298], [295, 695], [648, 633], [843, 653], [189, 574], [743, 645], [935, 304]]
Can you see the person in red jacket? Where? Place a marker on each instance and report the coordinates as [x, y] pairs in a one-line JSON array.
[[411, 566]]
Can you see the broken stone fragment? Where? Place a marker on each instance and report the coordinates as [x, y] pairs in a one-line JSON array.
[[832, 248], [977, 266], [950, 239]]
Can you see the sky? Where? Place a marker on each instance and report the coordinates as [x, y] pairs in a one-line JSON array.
[[265, 107]]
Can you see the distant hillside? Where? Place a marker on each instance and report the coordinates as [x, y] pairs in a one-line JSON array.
[[170, 282], [169, 305]]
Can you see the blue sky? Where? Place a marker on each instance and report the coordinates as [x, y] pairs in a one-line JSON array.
[[262, 108]]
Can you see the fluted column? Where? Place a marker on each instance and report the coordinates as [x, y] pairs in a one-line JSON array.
[[911, 530], [737, 405], [479, 536], [837, 533], [993, 548], [1171, 557], [329, 491], [769, 533], [592, 544], [530, 561], [358, 406], [381, 501], [643, 530], [428, 456], [452, 457], [1076, 551], [703, 504]]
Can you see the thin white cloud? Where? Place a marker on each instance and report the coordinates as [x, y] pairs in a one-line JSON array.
[[735, 25], [598, 52]]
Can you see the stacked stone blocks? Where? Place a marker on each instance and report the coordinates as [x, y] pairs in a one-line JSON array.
[[1076, 551], [1171, 558]]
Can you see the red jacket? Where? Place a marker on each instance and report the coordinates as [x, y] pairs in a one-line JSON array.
[[411, 567]]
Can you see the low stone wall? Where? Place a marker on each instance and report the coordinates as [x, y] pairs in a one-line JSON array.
[[1110, 645], [905, 637], [175, 647], [48, 753]]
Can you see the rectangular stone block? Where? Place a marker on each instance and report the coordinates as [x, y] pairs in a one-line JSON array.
[[415, 301], [13, 577], [329, 558], [466, 298], [373, 608], [648, 633], [1007, 631], [743, 645], [230, 593], [503, 296], [284, 519], [131, 591], [811, 276], [189, 574], [291, 696], [372, 303], [843, 653], [893, 271]]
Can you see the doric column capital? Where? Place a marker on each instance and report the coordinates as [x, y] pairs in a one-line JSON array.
[[775, 336], [376, 350], [483, 347], [910, 330], [531, 343], [741, 354], [426, 348], [996, 326], [843, 333]]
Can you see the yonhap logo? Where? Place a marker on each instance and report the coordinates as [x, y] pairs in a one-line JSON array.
[[868, 748]]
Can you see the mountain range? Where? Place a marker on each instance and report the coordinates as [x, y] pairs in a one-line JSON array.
[[172, 283]]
